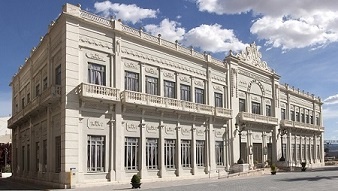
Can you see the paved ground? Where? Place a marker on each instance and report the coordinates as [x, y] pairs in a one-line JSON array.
[[319, 179]]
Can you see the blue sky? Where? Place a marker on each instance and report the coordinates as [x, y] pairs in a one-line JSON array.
[[297, 39]]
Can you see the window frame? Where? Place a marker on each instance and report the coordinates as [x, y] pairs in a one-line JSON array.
[[93, 70], [96, 153], [241, 105], [169, 89], [131, 152], [152, 153], [218, 99], [170, 153], [186, 153], [185, 92], [152, 85], [255, 108], [199, 96], [131, 81]]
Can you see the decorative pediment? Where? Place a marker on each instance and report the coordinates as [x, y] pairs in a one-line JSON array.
[[252, 56]]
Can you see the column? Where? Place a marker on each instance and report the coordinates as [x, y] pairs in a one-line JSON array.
[[179, 169], [288, 154], [178, 86], [315, 154], [249, 148], [301, 149], [321, 148], [211, 135], [119, 144], [193, 147], [161, 150], [143, 170], [265, 147], [111, 149], [226, 150]]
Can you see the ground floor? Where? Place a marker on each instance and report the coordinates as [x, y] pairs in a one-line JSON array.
[[110, 144]]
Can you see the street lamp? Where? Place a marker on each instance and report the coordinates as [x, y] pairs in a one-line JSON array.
[[242, 128], [282, 132]]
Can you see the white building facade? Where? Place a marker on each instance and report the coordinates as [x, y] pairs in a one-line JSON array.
[[105, 101]]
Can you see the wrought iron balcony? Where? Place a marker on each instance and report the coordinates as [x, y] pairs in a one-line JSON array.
[[131, 97], [93, 91], [256, 118]]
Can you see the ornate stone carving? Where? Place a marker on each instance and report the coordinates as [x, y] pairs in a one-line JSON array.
[[169, 130], [162, 61], [199, 83], [200, 131], [218, 88], [95, 123], [151, 70], [259, 84], [131, 127], [94, 42], [151, 129], [95, 56], [169, 75], [252, 56], [219, 133], [185, 131], [185, 79], [131, 65], [254, 76]]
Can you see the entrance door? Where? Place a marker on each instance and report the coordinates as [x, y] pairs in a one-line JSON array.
[[257, 152], [270, 152], [243, 152]]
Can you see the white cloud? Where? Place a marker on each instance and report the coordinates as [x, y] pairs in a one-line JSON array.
[[130, 13], [331, 100], [286, 24], [330, 113], [213, 38], [169, 30]]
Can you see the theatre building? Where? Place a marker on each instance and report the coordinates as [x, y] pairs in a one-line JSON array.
[[98, 101]]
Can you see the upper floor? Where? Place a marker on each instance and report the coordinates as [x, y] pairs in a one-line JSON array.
[[105, 60]]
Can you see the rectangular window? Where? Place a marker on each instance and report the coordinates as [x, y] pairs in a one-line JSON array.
[[151, 85], [293, 152], [299, 152], [292, 115], [44, 158], [302, 117], [256, 107], [219, 152], [169, 89], [268, 110], [317, 121], [152, 154], [284, 149], [37, 90], [307, 119], [95, 153], [297, 116], [241, 105], [23, 158], [318, 152], [186, 153], [58, 75], [131, 81], [28, 157], [96, 74], [169, 153], [37, 156], [185, 92], [303, 152], [311, 119], [218, 100], [199, 95], [45, 84], [313, 152], [200, 153], [23, 103], [28, 98], [58, 154], [131, 153], [283, 114]]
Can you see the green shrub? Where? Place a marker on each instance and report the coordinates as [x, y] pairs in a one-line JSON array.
[[273, 168], [136, 179]]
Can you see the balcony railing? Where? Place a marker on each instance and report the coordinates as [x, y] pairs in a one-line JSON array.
[[223, 112], [47, 96], [296, 124], [164, 102], [256, 118], [96, 91]]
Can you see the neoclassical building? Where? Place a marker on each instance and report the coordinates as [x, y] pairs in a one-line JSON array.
[[105, 101]]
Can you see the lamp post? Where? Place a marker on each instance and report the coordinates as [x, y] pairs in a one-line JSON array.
[[282, 132], [242, 128]]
